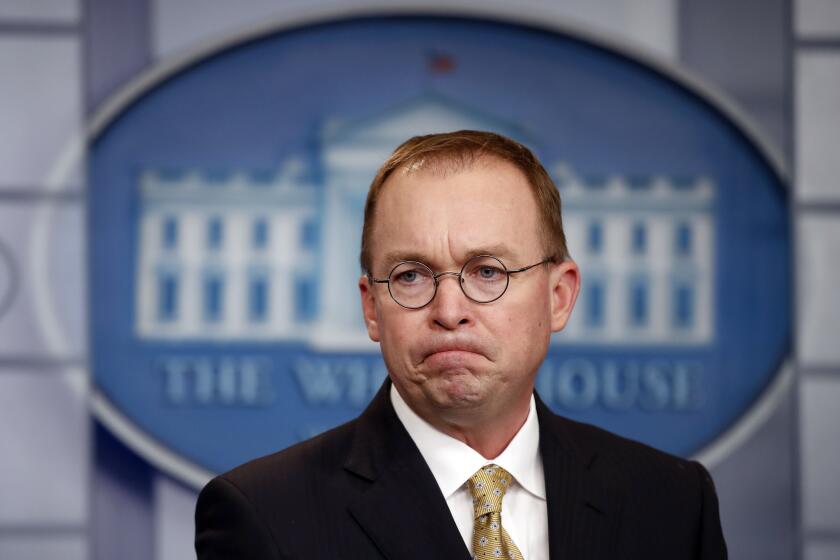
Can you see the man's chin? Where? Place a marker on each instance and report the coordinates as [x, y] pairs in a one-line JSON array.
[[456, 388]]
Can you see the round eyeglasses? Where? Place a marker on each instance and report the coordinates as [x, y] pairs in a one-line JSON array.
[[483, 279]]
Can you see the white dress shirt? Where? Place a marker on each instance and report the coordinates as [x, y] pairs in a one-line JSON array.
[[452, 462]]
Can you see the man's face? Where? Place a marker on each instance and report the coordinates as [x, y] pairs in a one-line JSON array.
[[455, 357]]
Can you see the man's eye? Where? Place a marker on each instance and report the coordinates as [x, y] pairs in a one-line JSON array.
[[409, 277], [489, 273]]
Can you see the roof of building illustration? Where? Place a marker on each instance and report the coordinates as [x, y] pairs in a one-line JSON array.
[[283, 184], [425, 114], [619, 190]]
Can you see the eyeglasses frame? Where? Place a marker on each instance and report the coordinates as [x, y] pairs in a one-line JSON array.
[[437, 275]]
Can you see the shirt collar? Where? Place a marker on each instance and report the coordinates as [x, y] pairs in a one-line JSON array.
[[453, 462]]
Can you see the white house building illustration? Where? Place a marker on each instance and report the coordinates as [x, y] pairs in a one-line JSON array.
[[229, 258], [645, 247], [273, 256]]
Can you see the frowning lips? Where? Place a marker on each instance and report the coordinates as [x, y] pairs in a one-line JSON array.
[[433, 347]]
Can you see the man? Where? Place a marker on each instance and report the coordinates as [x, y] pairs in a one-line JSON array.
[[466, 275]]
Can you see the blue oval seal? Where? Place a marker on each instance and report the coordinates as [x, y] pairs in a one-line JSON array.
[[225, 211]]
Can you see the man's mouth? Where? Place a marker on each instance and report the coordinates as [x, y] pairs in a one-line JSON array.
[[453, 353]]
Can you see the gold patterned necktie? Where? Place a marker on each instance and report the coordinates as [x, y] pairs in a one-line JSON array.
[[490, 541]]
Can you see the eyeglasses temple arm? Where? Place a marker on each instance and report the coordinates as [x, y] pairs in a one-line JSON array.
[[529, 267]]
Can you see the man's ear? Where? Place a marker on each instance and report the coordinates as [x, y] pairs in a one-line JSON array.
[[565, 286], [369, 307]]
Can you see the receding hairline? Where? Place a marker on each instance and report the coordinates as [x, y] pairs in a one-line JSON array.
[[442, 163]]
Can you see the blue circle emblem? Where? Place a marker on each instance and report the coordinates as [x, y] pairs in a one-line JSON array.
[[225, 213]]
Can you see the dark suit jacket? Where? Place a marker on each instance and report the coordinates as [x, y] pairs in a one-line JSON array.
[[363, 490]]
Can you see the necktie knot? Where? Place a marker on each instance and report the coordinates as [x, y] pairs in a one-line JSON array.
[[488, 486]]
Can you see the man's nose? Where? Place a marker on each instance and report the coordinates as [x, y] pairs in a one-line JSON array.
[[451, 307]]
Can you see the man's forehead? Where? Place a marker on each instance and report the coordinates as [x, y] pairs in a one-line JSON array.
[[442, 220], [499, 250]]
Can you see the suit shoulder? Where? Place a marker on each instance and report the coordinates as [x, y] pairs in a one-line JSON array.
[[630, 460], [284, 495], [596, 439], [657, 490], [288, 468]]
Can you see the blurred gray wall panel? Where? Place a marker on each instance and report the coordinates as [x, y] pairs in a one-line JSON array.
[[818, 19], [819, 396], [817, 122], [174, 525], [122, 523], [818, 270], [742, 48], [43, 547], [116, 46], [756, 490], [41, 11], [40, 108], [818, 125], [44, 427], [822, 551], [42, 290]]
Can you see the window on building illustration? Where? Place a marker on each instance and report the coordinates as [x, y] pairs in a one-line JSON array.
[[309, 235], [167, 296], [595, 296], [638, 299], [259, 234], [683, 239], [169, 233], [215, 233], [213, 297], [638, 239], [595, 238], [305, 299], [258, 298], [683, 305]]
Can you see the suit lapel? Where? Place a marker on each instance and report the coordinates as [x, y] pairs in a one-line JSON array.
[[403, 510], [405, 515], [583, 508]]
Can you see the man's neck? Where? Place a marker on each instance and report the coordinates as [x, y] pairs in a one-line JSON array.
[[489, 442]]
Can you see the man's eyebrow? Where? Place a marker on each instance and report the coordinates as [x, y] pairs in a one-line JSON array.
[[500, 250], [394, 257]]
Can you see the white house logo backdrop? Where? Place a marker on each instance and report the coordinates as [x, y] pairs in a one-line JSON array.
[[226, 210]]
